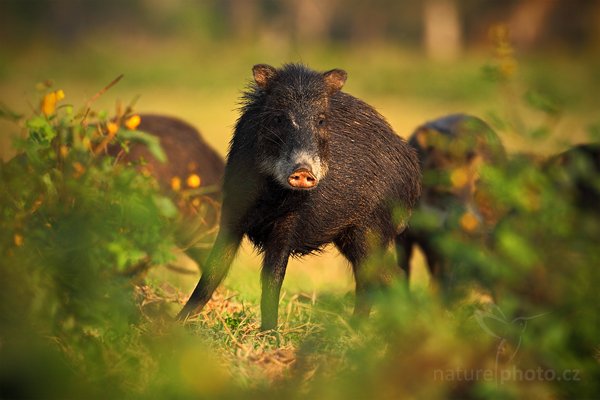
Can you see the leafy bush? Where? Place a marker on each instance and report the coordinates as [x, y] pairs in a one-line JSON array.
[[73, 223]]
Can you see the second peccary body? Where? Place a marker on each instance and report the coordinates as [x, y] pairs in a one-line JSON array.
[[452, 150], [308, 165], [186, 151], [577, 172], [187, 155]]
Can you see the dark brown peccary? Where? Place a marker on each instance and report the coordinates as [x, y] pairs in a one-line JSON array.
[[460, 144], [577, 170], [187, 154], [308, 165]]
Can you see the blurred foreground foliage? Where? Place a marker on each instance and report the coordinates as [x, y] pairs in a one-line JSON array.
[[75, 324], [73, 224]]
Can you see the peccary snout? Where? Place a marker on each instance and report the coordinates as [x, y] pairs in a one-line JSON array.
[[302, 178]]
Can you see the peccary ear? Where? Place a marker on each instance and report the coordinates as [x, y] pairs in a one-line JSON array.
[[335, 79], [422, 137], [263, 73]]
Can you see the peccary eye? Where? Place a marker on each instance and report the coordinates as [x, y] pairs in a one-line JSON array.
[[278, 120], [321, 120]]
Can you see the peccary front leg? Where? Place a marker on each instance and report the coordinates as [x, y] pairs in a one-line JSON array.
[[272, 274], [214, 270], [277, 252]]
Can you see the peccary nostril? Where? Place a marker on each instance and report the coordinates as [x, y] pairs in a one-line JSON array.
[[302, 179]]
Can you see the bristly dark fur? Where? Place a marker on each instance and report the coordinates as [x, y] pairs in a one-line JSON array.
[[390, 175], [366, 171]]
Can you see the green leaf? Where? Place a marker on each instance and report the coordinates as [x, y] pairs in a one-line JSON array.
[[542, 102], [149, 140], [40, 130], [165, 206], [50, 187], [517, 248]]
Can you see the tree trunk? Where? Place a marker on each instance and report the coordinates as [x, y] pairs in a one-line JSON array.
[[443, 30]]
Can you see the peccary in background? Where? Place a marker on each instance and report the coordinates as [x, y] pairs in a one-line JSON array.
[[451, 150], [191, 164], [309, 165], [577, 171]]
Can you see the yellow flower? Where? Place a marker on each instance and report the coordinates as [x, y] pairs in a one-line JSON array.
[[86, 143], [459, 177], [64, 151], [112, 128], [176, 183], [18, 240], [49, 101], [133, 122], [469, 222], [193, 181]]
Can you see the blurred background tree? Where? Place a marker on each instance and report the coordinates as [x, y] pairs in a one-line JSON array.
[[534, 24]]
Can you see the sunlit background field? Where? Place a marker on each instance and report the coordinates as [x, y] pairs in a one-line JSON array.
[[520, 65], [192, 60]]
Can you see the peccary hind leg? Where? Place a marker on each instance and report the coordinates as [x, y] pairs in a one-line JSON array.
[[404, 251], [354, 246], [214, 270]]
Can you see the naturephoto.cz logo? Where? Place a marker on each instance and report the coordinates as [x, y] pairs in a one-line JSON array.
[[509, 334], [504, 375]]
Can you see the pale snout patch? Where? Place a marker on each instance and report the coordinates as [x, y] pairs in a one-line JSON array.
[[281, 168]]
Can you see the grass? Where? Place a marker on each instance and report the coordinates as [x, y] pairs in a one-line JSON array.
[[317, 294]]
